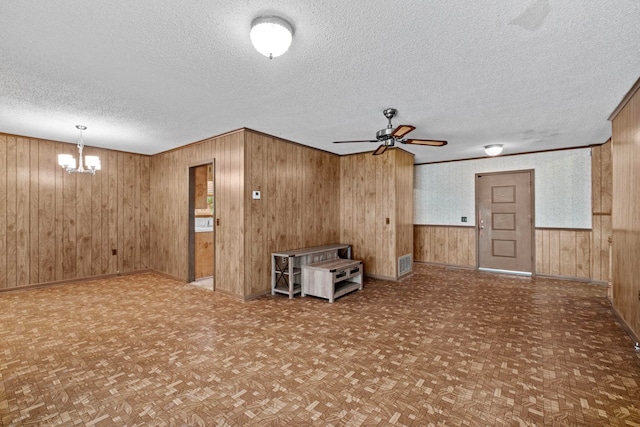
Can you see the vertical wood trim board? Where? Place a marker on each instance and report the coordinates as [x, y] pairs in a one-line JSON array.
[[625, 212], [602, 190], [404, 204], [56, 226]]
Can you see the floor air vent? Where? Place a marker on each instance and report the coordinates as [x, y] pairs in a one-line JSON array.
[[404, 264]]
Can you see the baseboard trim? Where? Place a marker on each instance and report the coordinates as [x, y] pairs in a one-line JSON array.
[[257, 295], [169, 276], [69, 281], [573, 279], [550, 276], [380, 277], [625, 326]]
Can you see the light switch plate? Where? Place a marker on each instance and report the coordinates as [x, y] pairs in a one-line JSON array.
[[256, 195]]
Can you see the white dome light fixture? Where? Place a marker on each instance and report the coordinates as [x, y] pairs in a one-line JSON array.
[[493, 149], [271, 35]]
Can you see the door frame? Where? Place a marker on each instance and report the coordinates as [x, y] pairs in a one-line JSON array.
[[532, 182], [191, 219]]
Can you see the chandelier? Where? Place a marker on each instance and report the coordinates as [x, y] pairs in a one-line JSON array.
[[68, 162]]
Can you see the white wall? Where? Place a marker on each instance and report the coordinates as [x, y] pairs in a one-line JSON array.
[[445, 192]]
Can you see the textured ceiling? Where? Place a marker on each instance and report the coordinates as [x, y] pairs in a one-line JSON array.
[[149, 75]]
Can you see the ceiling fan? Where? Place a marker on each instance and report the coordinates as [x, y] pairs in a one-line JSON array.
[[389, 136]]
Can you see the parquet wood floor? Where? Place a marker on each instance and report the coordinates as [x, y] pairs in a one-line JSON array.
[[445, 347]]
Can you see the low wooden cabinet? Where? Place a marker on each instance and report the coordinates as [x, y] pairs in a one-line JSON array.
[[286, 266], [331, 279]]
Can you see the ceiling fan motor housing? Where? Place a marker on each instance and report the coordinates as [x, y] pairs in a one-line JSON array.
[[384, 134]]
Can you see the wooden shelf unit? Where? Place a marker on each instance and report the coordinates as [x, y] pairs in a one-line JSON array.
[[331, 279], [286, 266]]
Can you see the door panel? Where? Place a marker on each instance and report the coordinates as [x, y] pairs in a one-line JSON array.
[[504, 205]]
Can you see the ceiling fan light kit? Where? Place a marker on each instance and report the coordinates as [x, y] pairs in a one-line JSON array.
[[390, 135], [493, 149], [271, 35]]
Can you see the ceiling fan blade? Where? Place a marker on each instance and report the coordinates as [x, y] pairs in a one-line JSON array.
[[364, 140], [381, 149], [431, 142], [402, 130]]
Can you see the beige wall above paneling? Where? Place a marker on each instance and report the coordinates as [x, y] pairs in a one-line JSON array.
[[444, 192], [57, 226]]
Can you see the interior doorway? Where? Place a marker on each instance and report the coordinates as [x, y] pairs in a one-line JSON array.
[[201, 225], [505, 221]]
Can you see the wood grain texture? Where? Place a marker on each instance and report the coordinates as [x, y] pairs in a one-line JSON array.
[[204, 254], [56, 226], [625, 207], [298, 206], [404, 204], [561, 252], [372, 190], [445, 245], [558, 252], [3, 212], [169, 220], [602, 190]]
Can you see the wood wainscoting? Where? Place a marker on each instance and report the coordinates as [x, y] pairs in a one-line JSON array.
[[567, 253], [563, 252], [447, 245], [56, 226]]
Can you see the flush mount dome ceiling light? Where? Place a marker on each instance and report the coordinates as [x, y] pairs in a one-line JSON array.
[[271, 35], [493, 149]]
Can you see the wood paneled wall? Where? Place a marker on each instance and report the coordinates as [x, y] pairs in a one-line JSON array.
[[445, 245], [372, 190], [58, 226], [572, 253], [298, 206], [626, 209], [170, 216], [565, 253], [404, 203]]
